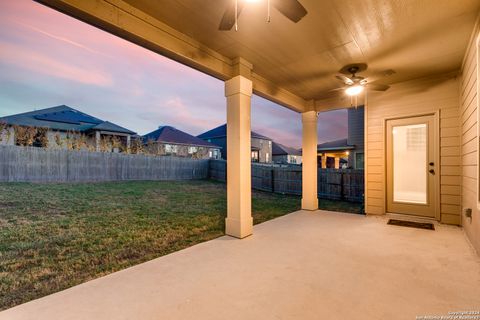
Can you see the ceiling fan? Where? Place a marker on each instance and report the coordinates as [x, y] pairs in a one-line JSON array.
[[292, 9], [355, 84]]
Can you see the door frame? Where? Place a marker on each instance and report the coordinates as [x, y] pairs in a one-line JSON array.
[[436, 152]]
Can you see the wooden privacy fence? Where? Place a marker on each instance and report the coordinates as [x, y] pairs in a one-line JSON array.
[[30, 164], [343, 184]]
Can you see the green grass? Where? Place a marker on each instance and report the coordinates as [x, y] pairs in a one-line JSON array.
[[54, 236]]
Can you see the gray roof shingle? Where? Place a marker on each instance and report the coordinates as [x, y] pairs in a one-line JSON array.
[[221, 132], [340, 144], [279, 150], [63, 118], [168, 134]]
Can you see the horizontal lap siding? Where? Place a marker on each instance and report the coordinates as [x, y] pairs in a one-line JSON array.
[[469, 141], [417, 97]]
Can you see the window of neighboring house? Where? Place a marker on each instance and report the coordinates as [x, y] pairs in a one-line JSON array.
[[215, 154], [359, 160], [269, 144], [293, 159], [267, 157], [254, 156], [170, 148], [192, 150], [210, 154]]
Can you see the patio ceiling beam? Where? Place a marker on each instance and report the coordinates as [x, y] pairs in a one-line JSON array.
[[335, 103], [123, 20]]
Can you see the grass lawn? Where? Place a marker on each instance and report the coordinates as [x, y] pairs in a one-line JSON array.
[[54, 236]]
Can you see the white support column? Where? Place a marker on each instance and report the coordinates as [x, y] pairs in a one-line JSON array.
[[97, 141], [309, 167], [128, 143], [337, 162], [239, 221]]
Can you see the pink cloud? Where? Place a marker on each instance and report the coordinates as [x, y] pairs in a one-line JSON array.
[[56, 37], [37, 62], [173, 111], [149, 89]]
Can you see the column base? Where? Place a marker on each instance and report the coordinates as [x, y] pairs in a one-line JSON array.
[[239, 228], [308, 204]]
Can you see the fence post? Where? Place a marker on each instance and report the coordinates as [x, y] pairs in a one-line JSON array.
[[225, 171], [342, 188], [272, 178]]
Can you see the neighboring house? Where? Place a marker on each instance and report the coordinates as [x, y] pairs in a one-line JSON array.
[[168, 140], [285, 155], [63, 127], [261, 146], [349, 151], [331, 153], [356, 138]]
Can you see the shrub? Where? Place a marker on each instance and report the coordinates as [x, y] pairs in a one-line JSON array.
[[4, 132], [105, 144], [41, 138], [137, 147], [24, 136], [58, 140]]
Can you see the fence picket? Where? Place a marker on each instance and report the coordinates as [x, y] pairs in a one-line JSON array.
[[30, 164], [343, 184]]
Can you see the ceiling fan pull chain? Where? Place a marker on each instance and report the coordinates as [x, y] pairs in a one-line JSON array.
[[236, 15], [268, 10]]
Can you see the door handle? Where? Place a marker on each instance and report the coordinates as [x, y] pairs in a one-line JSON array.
[[431, 171]]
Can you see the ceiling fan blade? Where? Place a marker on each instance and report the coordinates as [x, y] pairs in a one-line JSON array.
[[377, 86], [228, 19], [292, 9], [337, 89], [344, 79]]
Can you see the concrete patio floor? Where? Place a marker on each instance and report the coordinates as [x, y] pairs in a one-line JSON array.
[[305, 265]]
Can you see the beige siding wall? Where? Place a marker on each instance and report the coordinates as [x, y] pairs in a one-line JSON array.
[[182, 151], [264, 147], [469, 135], [417, 97]]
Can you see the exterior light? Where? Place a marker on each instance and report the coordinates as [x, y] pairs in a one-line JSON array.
[[347, 153], [354, 90]]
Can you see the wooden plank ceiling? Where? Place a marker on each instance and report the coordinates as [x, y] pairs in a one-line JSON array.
[[414, 38]]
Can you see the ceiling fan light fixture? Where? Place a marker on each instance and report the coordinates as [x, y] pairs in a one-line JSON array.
[[354, 90]]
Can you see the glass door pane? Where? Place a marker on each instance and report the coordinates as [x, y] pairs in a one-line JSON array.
[[410, 163]]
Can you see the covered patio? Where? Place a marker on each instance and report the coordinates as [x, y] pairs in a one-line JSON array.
[[305, 265], [313, 264], [424, 53]]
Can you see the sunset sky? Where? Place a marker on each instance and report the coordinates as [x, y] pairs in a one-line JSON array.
[[49, 59]]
